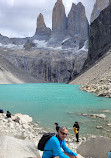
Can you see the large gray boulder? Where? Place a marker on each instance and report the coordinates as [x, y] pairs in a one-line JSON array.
[[11, 147], [95, 147]]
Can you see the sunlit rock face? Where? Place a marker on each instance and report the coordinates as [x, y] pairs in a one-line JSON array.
[[59, 25], [58, 18], [41, 26], [98, 7], [42, 32]]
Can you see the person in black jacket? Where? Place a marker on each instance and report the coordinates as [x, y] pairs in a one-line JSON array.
[[76, 130], [8, 114], [57, 126]]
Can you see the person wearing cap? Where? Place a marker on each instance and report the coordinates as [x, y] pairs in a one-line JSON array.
[[53, 146]]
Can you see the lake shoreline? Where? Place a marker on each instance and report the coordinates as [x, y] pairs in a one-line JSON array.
[[49, 103], [22, 127]]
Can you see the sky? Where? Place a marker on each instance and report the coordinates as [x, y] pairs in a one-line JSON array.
[[18, 17]]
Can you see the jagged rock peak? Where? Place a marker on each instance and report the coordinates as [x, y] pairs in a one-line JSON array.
[[59, 2], [82, 8], [73, 4], [80, 4], [41, 26], [40, 22], [98, 7], [58, 18], [78, 23]]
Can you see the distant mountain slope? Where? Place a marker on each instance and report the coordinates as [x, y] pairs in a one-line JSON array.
[[56, 55], [11, 75], [98, 78], [98, 7], [102, 69]]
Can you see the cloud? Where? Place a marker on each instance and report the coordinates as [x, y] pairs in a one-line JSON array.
[[18, 17]]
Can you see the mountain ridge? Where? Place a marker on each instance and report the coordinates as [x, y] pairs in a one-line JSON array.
[[55, 55], [9, 74], [98, 78]]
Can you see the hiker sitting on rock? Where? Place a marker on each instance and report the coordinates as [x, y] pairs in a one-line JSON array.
[[8, 114], [53, 146]]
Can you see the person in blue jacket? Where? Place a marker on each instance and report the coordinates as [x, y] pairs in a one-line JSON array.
[[53, 146]]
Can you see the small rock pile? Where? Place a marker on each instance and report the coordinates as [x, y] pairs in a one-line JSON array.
[[101, 88], [20, 126]]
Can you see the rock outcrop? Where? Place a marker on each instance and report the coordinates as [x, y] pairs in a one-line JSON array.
[[98, 7], [17, 148], [58, 25], [78, 26], [100, 35], [41, 29], [58, 18], [29, 45], [97, 145]]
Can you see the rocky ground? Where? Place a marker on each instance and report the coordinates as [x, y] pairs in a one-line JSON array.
[[21, 134], [97, 79]]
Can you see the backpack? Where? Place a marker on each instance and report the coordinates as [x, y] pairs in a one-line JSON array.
[[44, 140]]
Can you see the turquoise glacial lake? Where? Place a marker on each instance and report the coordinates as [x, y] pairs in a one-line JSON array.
[[48, 103]]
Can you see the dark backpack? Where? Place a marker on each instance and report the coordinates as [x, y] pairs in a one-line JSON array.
[[44, 139]]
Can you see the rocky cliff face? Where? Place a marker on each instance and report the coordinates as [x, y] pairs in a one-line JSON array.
[[100, 35], [98, 7], [41, 29], [71, 31], [50, 65], [78, 26], [10, 74], [58, 18], [57, 55], [59, 25]]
